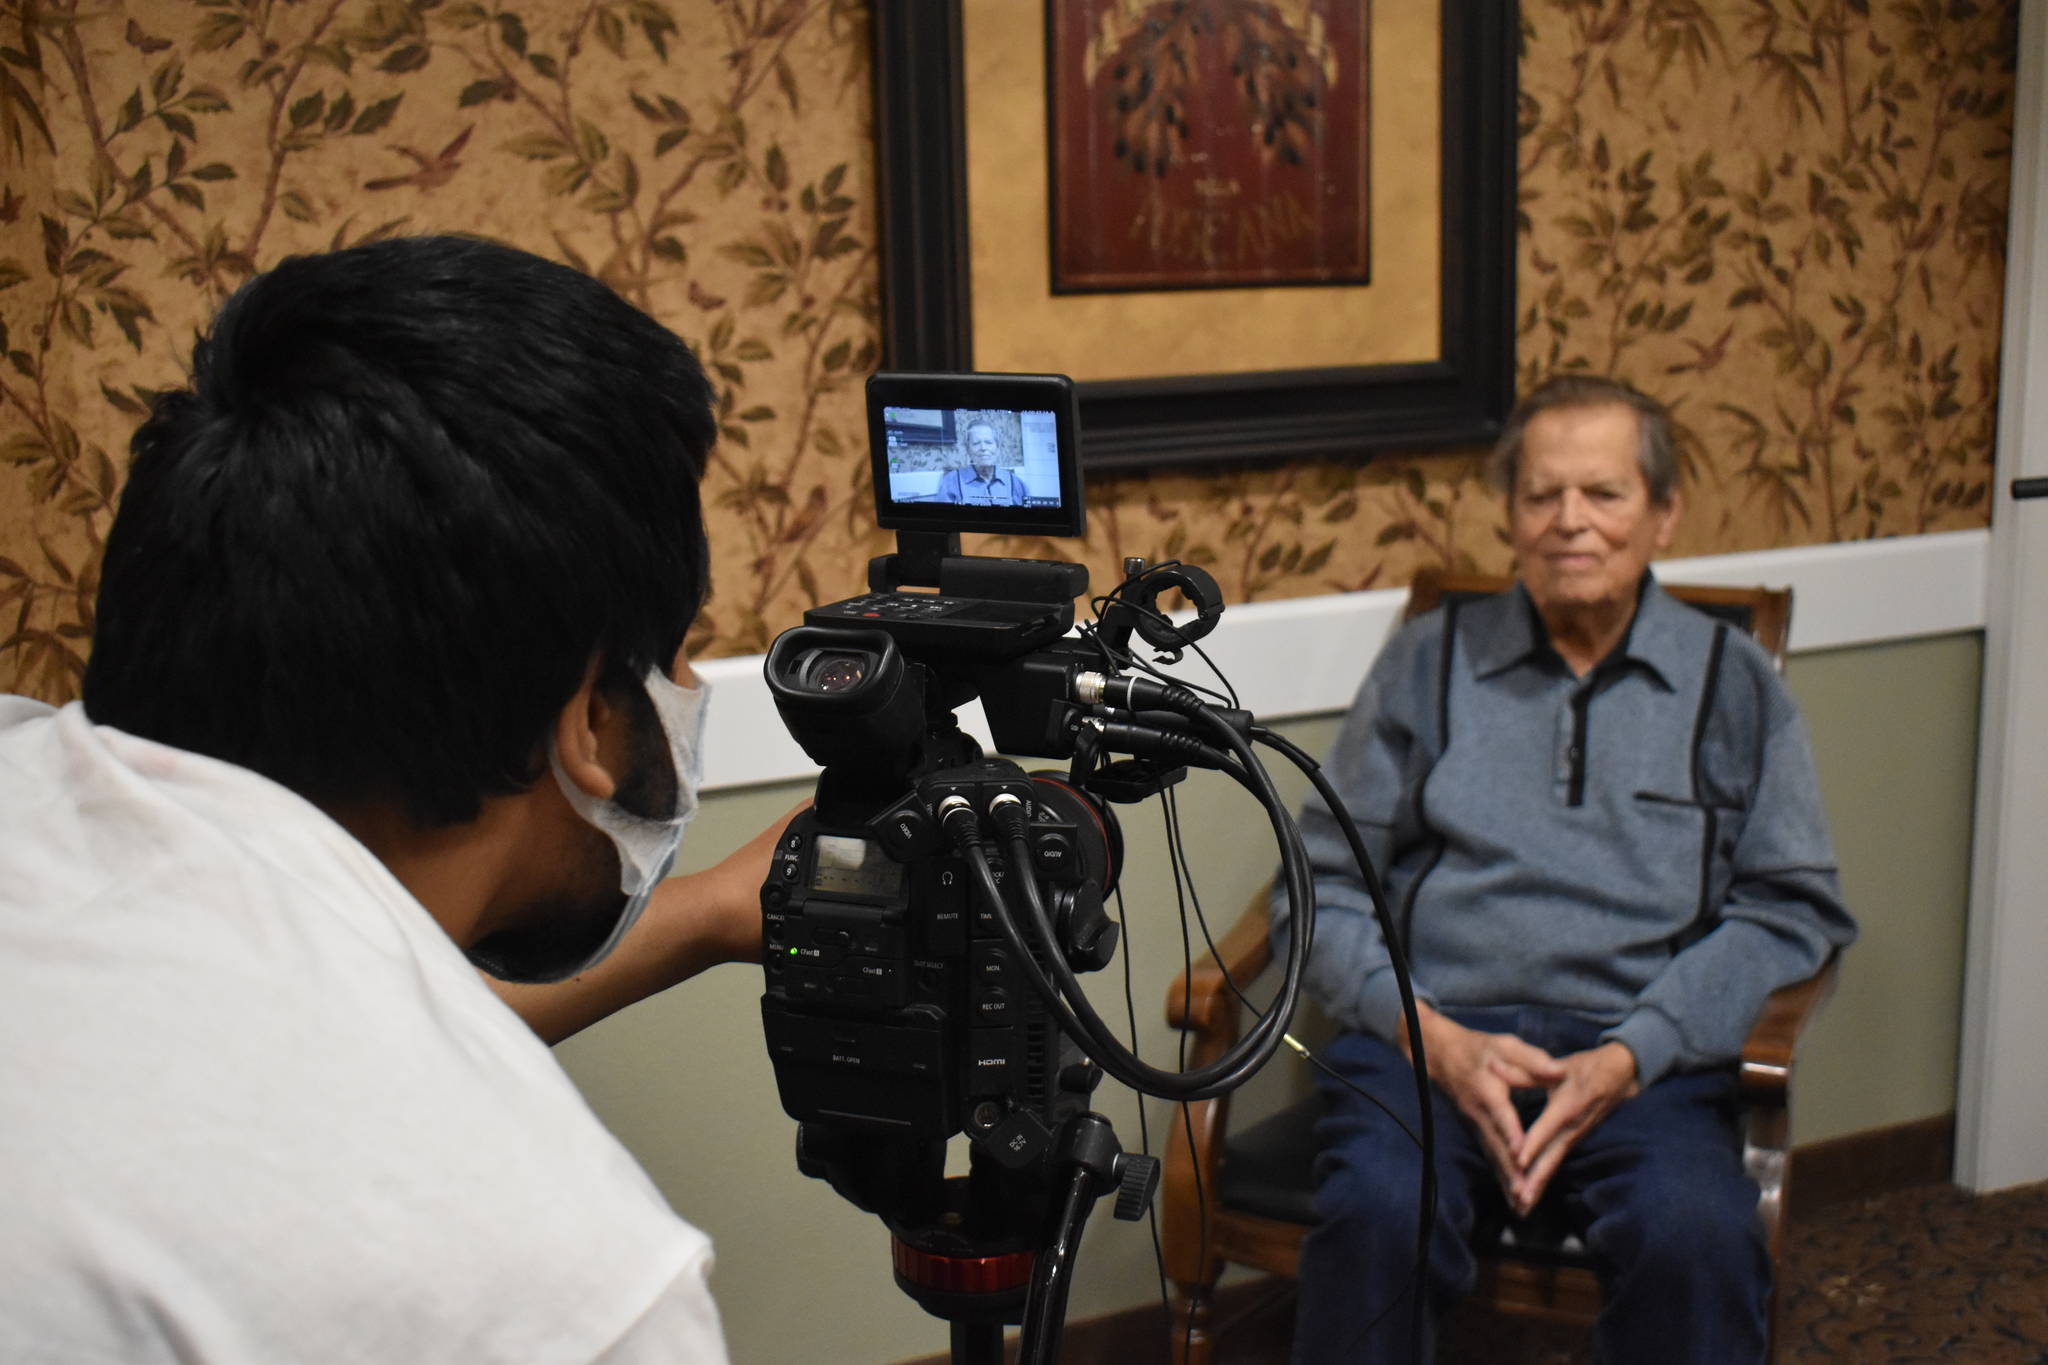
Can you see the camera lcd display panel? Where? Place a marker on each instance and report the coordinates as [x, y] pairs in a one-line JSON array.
[[857, 867], [976, 452]]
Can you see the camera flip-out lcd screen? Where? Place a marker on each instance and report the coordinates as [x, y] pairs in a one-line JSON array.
[[975, 452]]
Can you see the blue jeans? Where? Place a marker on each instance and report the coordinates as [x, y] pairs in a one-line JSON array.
[[1656, 1191]]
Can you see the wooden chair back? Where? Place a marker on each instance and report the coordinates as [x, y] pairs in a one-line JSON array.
[[1765, 613]]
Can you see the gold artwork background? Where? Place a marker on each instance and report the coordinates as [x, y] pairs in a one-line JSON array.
[[1786, 219], [1018, 326]]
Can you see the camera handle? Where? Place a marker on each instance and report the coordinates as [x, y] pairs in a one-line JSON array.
[[919, 554], [931, 559], [1098, 1164]]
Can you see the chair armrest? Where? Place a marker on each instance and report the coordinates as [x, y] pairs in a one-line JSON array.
[[1199, 1001], [1766, 1092], [1767, 1054]]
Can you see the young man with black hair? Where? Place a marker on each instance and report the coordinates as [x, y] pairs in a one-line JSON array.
[[387, 685]]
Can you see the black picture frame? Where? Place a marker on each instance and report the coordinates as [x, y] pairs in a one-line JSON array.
[[1460, 399]]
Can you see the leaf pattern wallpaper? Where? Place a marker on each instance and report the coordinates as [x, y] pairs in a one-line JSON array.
[[1785, 217]]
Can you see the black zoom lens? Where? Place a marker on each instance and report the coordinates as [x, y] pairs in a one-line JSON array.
[[829, 671]]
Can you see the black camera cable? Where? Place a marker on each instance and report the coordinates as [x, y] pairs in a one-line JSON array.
[[1227, 1073], [1397, 956], [1063, 993], [1422, 1142], [1149, 694], [1153, 694]]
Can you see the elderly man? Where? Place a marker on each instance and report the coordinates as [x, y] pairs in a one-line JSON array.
[[986, 485], [1595, 814]]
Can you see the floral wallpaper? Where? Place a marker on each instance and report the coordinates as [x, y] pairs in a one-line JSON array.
[[1785, 217]]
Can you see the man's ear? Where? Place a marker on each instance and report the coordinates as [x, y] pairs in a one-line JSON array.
[[583, 735], [1668, 516]]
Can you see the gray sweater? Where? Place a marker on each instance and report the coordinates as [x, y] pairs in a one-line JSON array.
[[1643, 846]]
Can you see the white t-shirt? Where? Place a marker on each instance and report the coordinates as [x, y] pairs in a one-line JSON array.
[[256, 1107]]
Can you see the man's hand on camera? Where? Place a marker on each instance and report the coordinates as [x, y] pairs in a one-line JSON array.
[[691, 923], [723, 902]]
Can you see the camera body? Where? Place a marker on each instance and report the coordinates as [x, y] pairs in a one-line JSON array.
[[894, 1003]]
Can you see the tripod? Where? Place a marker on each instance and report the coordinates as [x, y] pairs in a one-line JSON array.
[[979, 1254]]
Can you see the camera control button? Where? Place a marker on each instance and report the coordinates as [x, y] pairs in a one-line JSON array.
[[905, 830], [1055, 852]]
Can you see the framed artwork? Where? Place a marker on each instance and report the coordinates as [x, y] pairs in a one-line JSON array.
[[1346, 288], [1207, 145]]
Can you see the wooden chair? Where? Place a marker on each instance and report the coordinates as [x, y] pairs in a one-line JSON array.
[[1258, 1182]]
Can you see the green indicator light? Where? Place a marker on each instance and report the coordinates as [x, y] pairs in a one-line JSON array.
[[792, 952]]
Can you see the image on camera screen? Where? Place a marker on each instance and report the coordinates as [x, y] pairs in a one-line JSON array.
[[972, 457]]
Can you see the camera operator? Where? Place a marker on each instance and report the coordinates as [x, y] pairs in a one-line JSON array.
[[387, 686]]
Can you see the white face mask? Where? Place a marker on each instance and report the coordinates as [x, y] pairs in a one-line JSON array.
[[646, 847]]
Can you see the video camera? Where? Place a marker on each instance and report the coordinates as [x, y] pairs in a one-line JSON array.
[[918, 987]]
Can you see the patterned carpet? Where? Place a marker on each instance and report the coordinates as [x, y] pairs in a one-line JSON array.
[[1928, 1274], [1922, 1275]]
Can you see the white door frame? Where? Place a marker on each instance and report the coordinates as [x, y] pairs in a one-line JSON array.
[[2002, 1099]]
